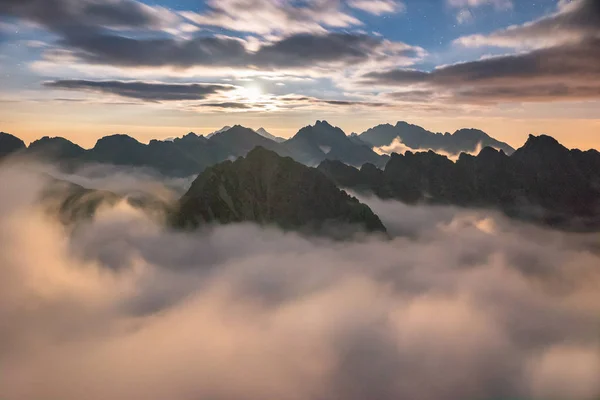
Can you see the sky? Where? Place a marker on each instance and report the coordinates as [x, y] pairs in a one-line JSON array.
[[161, 68]]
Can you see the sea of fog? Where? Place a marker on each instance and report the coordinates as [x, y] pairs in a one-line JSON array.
[[458, 304]]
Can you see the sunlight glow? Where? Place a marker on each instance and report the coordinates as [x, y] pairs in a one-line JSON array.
[[253, 94]]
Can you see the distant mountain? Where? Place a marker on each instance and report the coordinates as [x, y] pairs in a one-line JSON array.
[[10, 144], [184, 156], [315, 143], [266, 188], [73, 204], [238, 141], [56, 148], [262, 132], [223, 129], [120, 150], [416, 137], [542, 181]]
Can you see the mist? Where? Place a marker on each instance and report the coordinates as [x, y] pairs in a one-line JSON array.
[[456, 305], [397, 146]]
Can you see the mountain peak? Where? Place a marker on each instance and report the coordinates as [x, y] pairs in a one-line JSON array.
[[261, 152], [117, 139], [471, 133], [266, 134], [325, 123], [10, 143], [223, 129], [542, 144], [266, 188]]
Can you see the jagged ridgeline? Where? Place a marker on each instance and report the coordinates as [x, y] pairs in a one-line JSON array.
[[542, 181], [266, 188], [191, 154]]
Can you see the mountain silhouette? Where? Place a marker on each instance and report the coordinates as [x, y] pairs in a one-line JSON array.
[[263, 132], [266, 188], [55, 149], [238, 141], [192, 153], [542, 181], [315, 143], [10, 144], [418, 138]]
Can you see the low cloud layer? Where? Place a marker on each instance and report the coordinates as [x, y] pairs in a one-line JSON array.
[[397, 146], [147, 91], [457, 304]]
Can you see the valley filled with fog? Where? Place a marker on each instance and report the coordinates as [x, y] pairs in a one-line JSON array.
[[449, 304]]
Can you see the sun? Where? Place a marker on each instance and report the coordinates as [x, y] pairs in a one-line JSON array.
[[253, 94]]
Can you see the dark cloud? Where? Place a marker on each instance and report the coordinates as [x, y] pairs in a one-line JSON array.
[[92, 30], [306, 100], [351, 103], [111, 49], [574, 21], [85, 15], [228, 105], [554, 72], [297, 51], [304, 49], [562, 66], [549, 92], [576, 62], [146, 91]]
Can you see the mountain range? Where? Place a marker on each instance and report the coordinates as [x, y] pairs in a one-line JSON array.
[[542, 181], [418, 138], [192, 153]]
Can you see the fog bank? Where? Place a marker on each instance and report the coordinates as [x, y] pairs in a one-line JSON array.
[[457, 305]]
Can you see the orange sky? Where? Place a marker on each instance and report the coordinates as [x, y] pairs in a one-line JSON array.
[[84, 124]]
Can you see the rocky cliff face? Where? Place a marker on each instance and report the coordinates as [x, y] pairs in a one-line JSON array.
[[269, 189]]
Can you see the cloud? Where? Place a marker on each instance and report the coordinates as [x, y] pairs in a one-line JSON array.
[[299, 51], [228, 105], [274, 16], [565, 72], [67, 16], [574, 21], [457, 304], [498, 4], [378, 7], [397, 146], [286, 102], [147, 91], [465, 14], [298, 101]]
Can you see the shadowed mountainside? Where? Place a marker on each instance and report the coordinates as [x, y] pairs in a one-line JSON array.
[[266, 188], [542, 181], [10, 144]]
